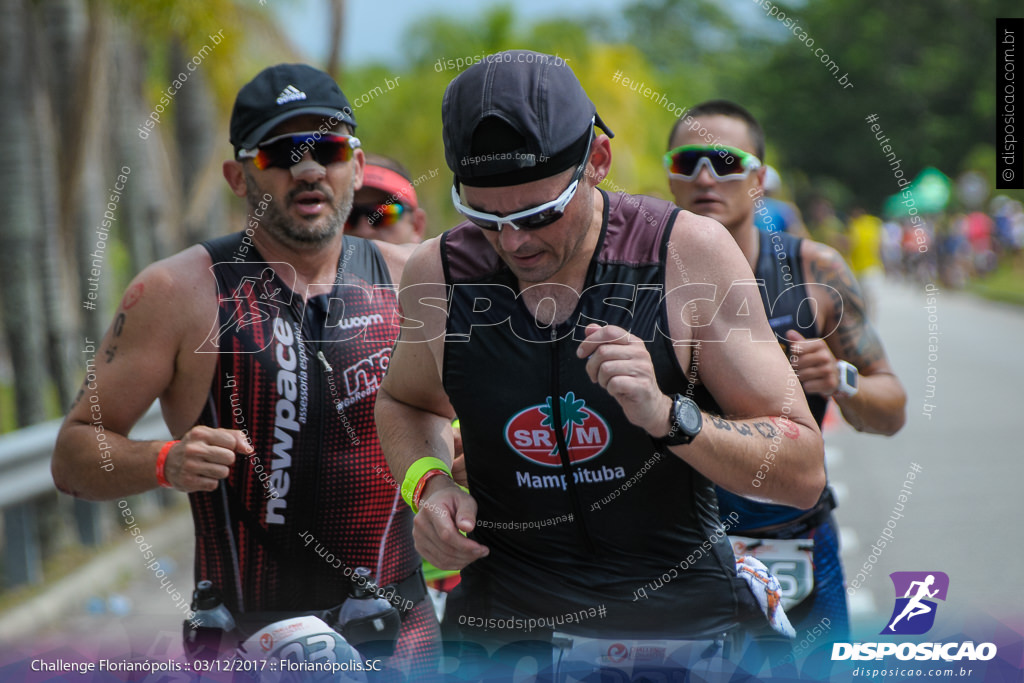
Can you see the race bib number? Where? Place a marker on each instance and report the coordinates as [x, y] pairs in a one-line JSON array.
[[307, 649], [789, 560], [581, 657]]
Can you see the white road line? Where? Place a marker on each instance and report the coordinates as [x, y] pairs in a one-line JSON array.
[[841, 490], [833, 456], [848, 540], [862, 602]]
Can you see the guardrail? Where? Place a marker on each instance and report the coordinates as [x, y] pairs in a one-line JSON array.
[[24, 481]]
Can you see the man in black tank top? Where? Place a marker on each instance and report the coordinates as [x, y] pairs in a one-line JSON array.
[[552, 322], [269, 344], [714, 169]]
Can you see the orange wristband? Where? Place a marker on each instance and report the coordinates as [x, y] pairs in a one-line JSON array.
[[161, 460], [427, 476]]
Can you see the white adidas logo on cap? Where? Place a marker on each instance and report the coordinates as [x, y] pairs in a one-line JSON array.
[[290, 94]]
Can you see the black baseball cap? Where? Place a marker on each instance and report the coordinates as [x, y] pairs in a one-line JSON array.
[[515, 117], [280, 92]]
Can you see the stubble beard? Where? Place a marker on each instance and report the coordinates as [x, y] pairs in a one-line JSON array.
[[298, 233]]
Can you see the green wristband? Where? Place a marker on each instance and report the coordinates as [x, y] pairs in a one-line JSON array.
[[416, 472]]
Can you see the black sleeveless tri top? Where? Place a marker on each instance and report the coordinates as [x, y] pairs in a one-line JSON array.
[[300, 377], [577, 505]]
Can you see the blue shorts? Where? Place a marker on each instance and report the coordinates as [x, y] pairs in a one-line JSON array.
[[828, 599], [819, 620]]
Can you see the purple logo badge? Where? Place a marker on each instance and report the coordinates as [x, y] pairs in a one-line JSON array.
[[916, 592]]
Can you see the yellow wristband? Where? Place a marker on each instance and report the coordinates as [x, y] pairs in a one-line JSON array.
[[416, 472]]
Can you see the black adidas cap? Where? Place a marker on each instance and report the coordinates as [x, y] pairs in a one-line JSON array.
[[515, 117], [281, 92]]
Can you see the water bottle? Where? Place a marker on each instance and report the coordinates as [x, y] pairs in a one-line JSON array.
[[369, 623], [205, 633]]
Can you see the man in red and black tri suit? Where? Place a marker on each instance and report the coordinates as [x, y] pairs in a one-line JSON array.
[[266, 348]]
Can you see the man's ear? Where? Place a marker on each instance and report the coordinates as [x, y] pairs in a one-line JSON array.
[[758, 178], [234, 173], [600, 161], [359, 163], [419, 224]]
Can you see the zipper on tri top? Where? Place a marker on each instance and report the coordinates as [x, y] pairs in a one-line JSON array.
[[563, 447], [310, 327], [323, 359]]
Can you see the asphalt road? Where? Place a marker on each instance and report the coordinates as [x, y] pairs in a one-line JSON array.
[[962, 513]]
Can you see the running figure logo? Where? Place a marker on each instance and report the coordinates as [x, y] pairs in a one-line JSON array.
[[914, 613]]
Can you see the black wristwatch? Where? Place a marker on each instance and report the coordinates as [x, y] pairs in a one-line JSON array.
[[684, 422]]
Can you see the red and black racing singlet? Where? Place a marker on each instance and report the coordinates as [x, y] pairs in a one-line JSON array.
[[281, 529], [577, 505]]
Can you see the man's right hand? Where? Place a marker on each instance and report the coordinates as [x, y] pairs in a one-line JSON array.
[[444, 514], [203, 457]]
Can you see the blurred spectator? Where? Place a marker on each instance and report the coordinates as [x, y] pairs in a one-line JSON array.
[[954, 253], [918, 243], [780, 215], [1009, 227], [385, 208], [892, 235], [865, 235], [979, 236]]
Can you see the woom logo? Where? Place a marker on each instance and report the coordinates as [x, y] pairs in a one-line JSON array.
[[531, 432]]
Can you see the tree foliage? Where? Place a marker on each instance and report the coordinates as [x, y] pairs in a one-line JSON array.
[[926, 70]]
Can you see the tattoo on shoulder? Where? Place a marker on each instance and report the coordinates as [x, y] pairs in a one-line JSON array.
[[858, 341]]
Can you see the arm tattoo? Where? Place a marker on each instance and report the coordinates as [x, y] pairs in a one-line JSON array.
[[742, 428], [720, 423], [858, 342]]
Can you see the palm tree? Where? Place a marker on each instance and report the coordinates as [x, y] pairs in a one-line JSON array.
[[571, 412], [20, 237]]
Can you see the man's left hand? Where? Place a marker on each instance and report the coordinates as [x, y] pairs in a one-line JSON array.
[[621, 364]]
